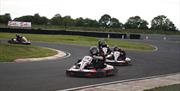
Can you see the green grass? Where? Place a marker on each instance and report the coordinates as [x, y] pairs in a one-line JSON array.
[[130, 45], [175, 87], [81, 40], [10, 52]]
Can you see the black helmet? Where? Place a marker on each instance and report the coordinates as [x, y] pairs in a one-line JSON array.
[[94, 51], [116, 48], [102, 44], [18, 36]]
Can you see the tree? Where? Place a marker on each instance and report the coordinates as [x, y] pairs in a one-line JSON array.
[[36, 19], [114, 23], [56, 20], [27, 18], [104, 21], [44, 20], [94, 23], [79, 21], [143, 25], [90, 23], [136, 23], [161, 22], [86, 22], [5, 18], [67, 21]]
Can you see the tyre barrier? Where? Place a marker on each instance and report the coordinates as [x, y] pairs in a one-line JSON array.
[[135, 36], [72, 32]]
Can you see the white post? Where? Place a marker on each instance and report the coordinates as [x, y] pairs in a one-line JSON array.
[[122, 36], [108, 35], [164, 38], [147, 37]]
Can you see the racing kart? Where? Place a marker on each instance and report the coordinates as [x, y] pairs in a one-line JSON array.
[[14, 41], [91, 71], [105, 50], [115, 60]]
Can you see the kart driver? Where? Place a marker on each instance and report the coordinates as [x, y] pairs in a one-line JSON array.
[[104, 48], [122, 55], [20, 38], [98, 58], [95, 59]]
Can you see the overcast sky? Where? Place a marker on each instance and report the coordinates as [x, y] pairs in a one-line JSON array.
[[94, 9]]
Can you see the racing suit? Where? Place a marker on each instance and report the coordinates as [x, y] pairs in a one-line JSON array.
[[104, 51], [96, 61], [120, 53], [85, 61]]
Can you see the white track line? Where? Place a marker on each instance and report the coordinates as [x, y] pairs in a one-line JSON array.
[[114, 82], [156, 48]]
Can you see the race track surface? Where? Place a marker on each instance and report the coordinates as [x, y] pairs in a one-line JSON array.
[[50, 75]]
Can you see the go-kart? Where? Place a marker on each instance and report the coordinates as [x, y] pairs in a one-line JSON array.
[[115, 60], [14, 41], [105, 50], [90, 70]]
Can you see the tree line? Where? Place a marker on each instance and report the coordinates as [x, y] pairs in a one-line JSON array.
[[160, 22]]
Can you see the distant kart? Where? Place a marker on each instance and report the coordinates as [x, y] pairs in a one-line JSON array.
[[90, 71], [115, 62], [14, 41]]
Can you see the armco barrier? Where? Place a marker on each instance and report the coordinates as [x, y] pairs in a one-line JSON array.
[[64, 32], [134, 36]]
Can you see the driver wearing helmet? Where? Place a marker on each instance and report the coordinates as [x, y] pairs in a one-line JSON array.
[[117, 55], [94, 52], [98, 59], [103, 48], [20, 38], [93, 59], [101, 44], [122, 55]]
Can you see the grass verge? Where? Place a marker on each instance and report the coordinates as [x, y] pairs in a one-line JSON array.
[[10, 52], [175, 87], [81, 40]]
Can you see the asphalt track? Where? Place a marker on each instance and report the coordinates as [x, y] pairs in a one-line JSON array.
[[50, 75]]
